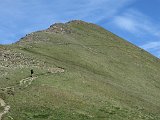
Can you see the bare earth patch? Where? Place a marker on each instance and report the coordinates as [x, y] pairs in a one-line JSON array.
[[6, 108]]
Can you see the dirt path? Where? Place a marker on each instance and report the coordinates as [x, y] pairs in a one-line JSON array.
[[6, 108], [27, 81], [23, 83]]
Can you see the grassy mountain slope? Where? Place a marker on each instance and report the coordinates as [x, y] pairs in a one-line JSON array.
[[81, 72]]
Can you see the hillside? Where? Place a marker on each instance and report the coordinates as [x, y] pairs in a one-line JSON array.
[[81, 72]]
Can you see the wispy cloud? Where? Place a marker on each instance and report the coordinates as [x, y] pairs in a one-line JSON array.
[[20, 17], [151, 46], [142, 26], [137, 23]]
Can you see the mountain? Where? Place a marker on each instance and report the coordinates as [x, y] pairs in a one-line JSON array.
[[81, 72]]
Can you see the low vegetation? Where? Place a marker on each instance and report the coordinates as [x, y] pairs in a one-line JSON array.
[[82, 72]]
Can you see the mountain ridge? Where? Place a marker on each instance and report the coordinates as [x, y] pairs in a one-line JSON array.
[[104, 76], [58, 28]]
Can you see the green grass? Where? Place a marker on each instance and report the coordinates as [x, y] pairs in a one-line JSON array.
[[105, 78]]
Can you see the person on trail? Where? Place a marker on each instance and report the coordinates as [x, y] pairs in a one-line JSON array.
[[32, 72]]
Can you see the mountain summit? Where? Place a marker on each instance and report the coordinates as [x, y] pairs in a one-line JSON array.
[[78, 71]]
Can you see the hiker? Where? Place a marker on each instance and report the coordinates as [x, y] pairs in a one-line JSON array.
[[32, 72]]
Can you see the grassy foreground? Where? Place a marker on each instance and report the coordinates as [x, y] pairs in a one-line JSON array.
[[82, 72]]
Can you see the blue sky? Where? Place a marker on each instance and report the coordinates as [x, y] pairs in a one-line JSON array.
[[137, 21]]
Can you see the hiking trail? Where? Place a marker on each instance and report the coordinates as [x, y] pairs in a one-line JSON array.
[[22, 83], [6, 108]]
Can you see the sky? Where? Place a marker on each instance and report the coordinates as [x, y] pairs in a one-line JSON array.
[[137, 21]]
